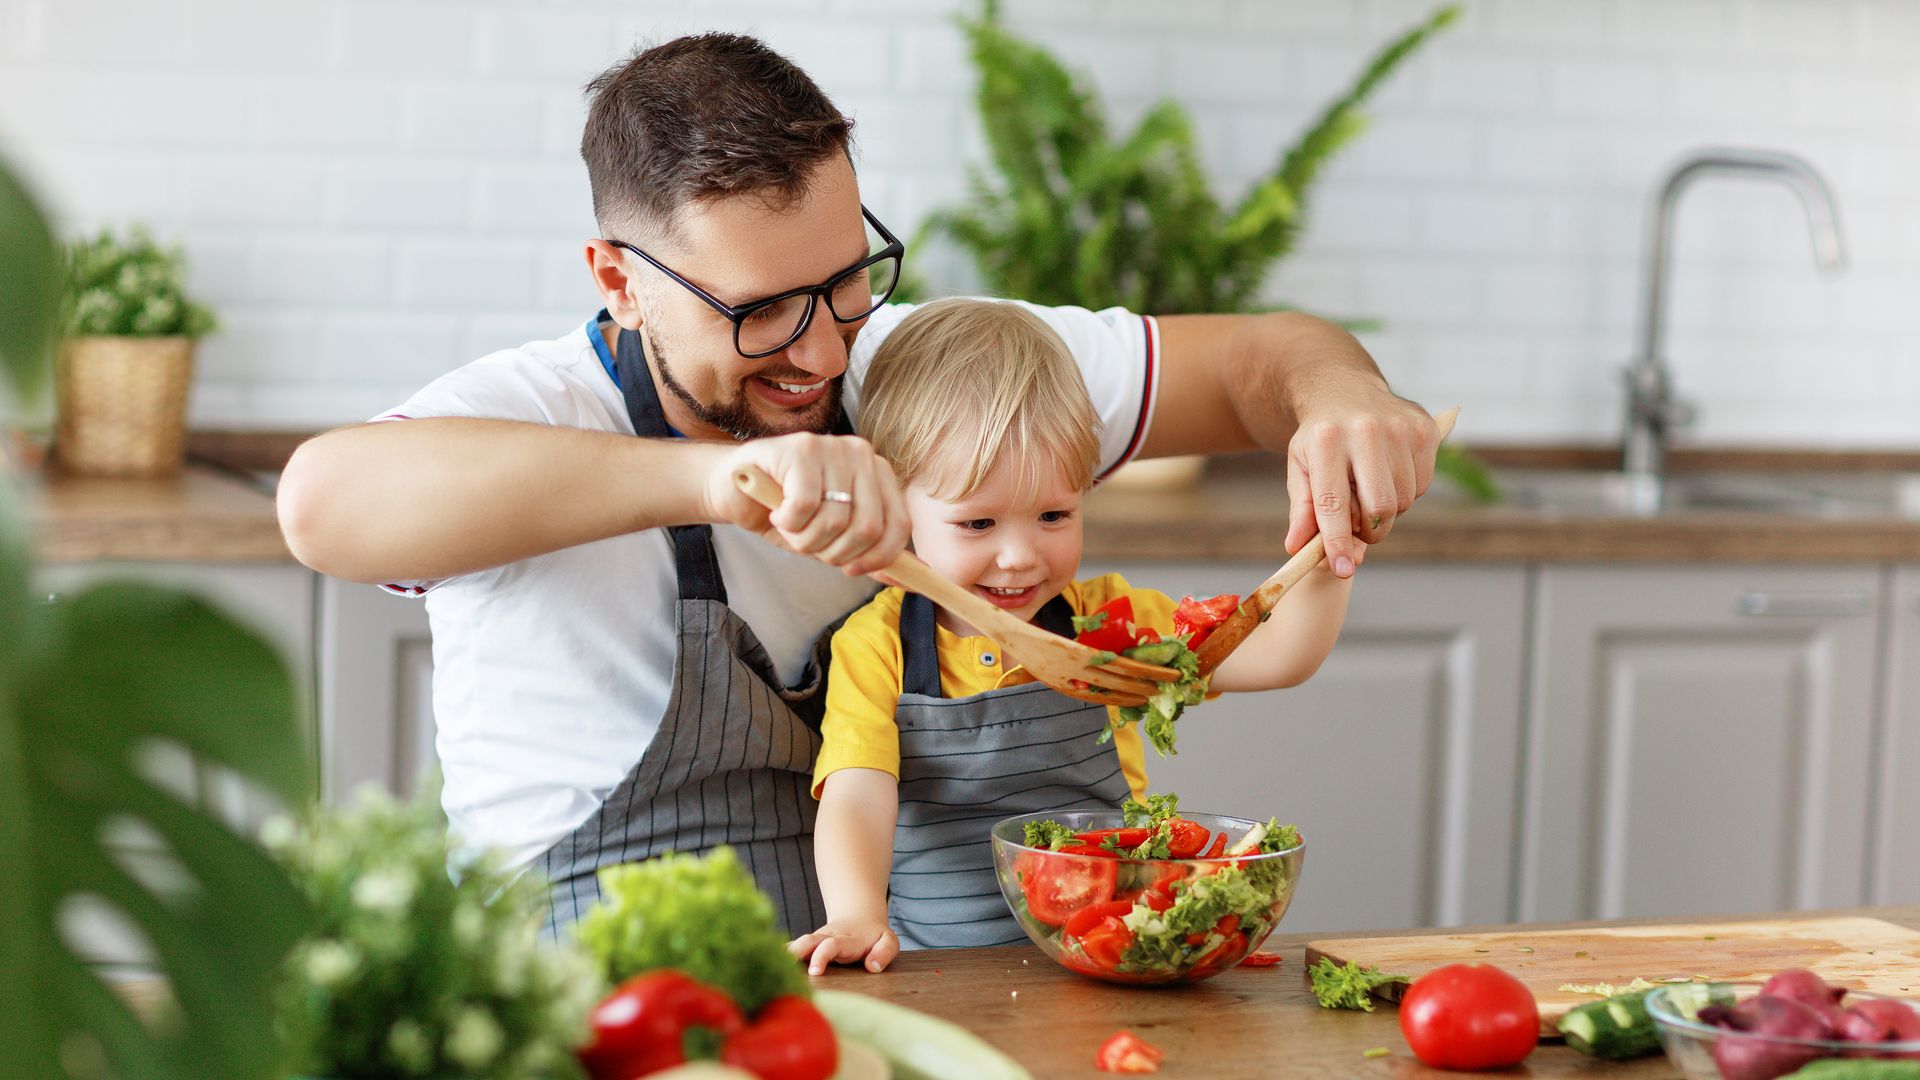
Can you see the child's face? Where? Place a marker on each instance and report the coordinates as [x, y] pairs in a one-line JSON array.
[[1018, 554]]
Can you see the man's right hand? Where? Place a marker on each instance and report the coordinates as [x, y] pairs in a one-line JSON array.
[[862, 532]]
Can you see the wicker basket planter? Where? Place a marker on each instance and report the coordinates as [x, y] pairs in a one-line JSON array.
[[122, 405]]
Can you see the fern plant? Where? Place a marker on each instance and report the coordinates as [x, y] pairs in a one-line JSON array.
[[88, 688]]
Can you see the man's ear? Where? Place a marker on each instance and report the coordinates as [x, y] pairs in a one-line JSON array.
[[608, 266]]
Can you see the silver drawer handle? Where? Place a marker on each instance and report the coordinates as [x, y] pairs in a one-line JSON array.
[[1805, 605]]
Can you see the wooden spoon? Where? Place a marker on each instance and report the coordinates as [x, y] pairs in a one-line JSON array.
[[1258, 606], [1062, 663]]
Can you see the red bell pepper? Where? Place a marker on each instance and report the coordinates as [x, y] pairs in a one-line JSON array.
[[1219, 847], [1126, 838], [641, 1027], [789, 1040]]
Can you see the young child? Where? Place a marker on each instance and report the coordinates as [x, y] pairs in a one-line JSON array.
[[932, 732]]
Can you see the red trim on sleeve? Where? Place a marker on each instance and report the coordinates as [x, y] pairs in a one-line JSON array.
[[406, 590], [390, 416], [1146, 401]]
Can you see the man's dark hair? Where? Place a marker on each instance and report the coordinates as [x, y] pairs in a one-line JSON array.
[[702, 117]]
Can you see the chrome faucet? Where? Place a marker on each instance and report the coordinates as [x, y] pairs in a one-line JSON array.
[[1652, 410]]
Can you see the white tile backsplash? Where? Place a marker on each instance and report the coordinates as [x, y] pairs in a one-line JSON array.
[[373, 193]]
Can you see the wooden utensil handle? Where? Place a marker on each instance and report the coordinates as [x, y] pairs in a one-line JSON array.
[[907, 570]]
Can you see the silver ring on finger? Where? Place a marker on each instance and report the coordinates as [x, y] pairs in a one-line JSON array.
[[844, 498]]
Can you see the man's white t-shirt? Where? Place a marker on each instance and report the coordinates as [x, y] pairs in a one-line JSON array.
[[551, 674]]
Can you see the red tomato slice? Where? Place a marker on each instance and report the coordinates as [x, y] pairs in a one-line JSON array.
[[1219, 847], [1056, 886], [1106, 942], [1126, 1052], [1262, 958], [1469, 1016], [1127, 838], [1199, 617], [1223, 954], [1091, 916], [1188, 839], [1114, 635]]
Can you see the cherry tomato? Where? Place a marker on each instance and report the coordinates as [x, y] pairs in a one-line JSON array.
[[1126, 1052], [1469, 1016], [1199, 617], [1057, 885]]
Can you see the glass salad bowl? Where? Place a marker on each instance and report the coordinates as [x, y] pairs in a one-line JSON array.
[[1704, 1052], [1144, 921]]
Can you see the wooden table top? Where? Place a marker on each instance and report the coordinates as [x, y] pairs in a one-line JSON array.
[[1248, 1022], [201, 515]]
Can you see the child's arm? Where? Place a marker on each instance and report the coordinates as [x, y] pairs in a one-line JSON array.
[[853, 850], [1288, 648]]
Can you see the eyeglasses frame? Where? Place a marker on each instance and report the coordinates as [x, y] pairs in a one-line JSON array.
[[814, 293]]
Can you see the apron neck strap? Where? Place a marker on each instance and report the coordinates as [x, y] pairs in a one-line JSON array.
[[696, 564], [920, 640]]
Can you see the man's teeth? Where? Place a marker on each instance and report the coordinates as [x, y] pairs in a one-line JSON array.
[[798, 388]]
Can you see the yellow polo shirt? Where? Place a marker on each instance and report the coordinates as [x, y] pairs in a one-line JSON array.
[[864, 683]]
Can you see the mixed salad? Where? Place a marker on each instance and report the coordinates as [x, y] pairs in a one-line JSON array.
[[1111, 629], [1124, 910]]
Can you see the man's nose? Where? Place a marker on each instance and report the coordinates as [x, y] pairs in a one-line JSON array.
[[820, 350]]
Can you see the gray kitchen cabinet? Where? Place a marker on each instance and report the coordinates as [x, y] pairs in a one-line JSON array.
[[1398, 760], [1699, 740], [376, 690], [1895, 870], [277, 600]]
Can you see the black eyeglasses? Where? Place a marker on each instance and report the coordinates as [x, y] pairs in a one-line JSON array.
[[764, 327]]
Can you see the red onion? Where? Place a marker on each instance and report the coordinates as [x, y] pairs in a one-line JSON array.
[[1878, 1020], [1745, 1050], [1809, 989]]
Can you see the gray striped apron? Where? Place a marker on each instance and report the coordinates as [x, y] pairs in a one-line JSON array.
[[732, 760], [965, 763]]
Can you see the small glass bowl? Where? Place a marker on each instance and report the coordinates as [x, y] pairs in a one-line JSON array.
[[1062, 885], [1690, 1044]]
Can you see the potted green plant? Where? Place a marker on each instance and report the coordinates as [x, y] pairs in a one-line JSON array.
[[126, 359], [412, 972], [89, 688], [1072, 215]]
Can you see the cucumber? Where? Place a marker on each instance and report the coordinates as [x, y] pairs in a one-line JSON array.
[[1858, 1069], [1619, 1027], [918, 1046], [1156, 652]]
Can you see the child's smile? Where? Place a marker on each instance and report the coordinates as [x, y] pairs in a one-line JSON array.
[[1015, 541]]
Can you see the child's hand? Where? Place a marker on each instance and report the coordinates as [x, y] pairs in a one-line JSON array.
[[847, 941]]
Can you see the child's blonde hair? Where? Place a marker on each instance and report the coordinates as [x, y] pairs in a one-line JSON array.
[[960, 383]]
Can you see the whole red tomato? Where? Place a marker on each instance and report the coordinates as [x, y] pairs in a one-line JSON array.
[[1469, 1016]]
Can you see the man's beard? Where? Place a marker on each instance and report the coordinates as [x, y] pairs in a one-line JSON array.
[[737, 417]]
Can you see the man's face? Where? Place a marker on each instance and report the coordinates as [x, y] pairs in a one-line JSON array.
[[740, 250]]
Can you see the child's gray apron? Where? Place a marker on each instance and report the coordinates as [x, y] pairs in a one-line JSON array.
[[732, 760], [965, 763]]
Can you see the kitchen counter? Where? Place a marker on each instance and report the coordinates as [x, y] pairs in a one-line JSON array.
[[1237, 513], [1245, 1022], [202, 515]]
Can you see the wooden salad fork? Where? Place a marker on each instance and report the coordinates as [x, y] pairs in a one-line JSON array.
[[1258, 605], [1062, 663]]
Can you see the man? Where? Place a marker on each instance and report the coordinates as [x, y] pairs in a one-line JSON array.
[[623, 664]]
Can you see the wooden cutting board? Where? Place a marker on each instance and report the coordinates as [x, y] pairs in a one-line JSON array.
[[1859, 953]]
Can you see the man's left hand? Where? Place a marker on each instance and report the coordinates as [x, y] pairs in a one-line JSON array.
[[1357, 461]]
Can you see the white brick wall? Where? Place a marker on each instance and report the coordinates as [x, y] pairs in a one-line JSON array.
[[375, 192]]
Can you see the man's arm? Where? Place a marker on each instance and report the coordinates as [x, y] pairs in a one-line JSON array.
[[435, 497], [1357, 456]]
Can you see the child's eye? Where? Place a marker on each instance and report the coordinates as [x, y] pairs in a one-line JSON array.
[[1054, 517], [975, 524]]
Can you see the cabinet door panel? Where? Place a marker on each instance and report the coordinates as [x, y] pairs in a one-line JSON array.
[[1699, 740], [1896, 859], [1398, 759], [376, 699]]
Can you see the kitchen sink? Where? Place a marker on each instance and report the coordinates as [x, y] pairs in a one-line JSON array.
[[1613, 494]]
